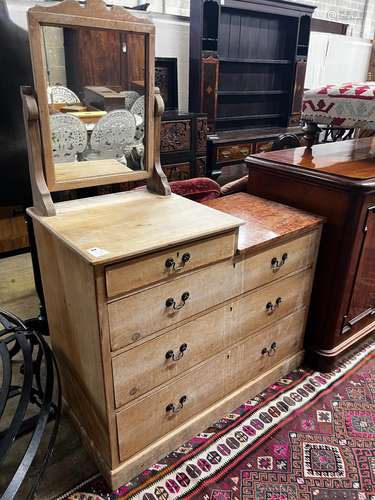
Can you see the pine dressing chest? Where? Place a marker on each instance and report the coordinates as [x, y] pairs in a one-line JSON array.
[[164, 314]]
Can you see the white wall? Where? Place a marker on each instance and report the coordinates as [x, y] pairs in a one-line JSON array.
[[336, 59], [172, 40]]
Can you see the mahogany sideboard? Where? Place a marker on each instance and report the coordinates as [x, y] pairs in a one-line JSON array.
[[335, 180]]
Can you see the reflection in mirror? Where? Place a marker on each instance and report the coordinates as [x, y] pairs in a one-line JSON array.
[[96, 98]]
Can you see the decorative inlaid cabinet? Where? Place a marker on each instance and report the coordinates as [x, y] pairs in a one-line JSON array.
[[164, 314]]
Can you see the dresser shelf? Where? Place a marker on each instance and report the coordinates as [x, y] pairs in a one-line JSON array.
[[254, 61], [250, 92]]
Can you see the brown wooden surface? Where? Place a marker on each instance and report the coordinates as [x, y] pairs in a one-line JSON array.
[[299, 87], [92, 57], [72, 310], [144, 313], [255, 45], [344, 201], [144, 271], [136, 464], [353, 159], [209, 86], [325, 26], [371, 66], [267, 223], [130, 224], [65, 172], [238, 135], [207, 384], [13, 230]]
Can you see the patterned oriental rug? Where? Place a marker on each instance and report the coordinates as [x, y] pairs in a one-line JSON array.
[[310, 436]]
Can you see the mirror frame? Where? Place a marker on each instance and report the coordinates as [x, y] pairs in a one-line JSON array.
[[93, 14]]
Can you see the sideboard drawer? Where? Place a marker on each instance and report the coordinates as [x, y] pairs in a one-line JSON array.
[[234, 152], [137, 273], [151, 418], [266, 349], [281, 260], [153, 363], [148, 311], [260, 308]]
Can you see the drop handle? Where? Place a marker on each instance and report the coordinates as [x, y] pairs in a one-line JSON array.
[[170, 355], [271, 351], [172, 303], [271, 308], [172, 409], [276, 264], [171, 263]]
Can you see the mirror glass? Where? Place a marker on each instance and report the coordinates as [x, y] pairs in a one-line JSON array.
[[96, 88]]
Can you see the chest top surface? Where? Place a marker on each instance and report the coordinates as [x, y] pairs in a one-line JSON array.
[[352, 160], [119, 226], [266, 222]]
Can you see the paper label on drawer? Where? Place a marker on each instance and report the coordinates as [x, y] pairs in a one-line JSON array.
[[98, 252]]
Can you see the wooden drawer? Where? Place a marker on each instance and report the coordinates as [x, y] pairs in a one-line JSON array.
[[266, 349], [284, 259], [137, 273], [145, 421], [139, 370], [143, 313], [146, 366], [263, 146], [234, 152], [253, 311], [206, 384]]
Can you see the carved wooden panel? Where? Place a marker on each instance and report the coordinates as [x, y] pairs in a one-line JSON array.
[[179, 172], [175, 136], [202, 135]]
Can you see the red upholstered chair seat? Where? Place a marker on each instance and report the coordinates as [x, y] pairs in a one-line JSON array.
[[199, 189]]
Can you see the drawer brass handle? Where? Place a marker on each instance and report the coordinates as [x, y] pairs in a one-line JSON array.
[[171, 263], [271, 351], [171, 408], [271, 308], [277, 264], [172, 303], [176, 357]]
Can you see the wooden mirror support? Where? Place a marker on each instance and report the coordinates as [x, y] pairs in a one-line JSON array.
[[94, 14]]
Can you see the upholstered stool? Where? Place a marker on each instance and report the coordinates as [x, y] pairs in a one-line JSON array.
[[341, 107]]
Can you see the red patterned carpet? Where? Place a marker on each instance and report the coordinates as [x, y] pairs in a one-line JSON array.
[[310, 436]]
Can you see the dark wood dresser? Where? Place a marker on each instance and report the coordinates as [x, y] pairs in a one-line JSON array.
[[248, 61], [335, 180]]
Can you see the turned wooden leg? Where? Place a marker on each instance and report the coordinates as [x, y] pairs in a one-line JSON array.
[[311, 132]]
